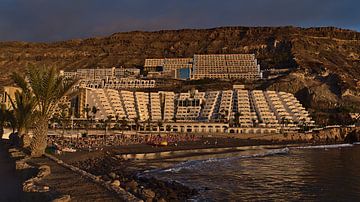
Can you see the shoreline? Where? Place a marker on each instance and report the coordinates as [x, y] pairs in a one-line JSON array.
[[125, 164], [110, 165]]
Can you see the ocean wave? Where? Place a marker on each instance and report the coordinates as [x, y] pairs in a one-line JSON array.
[[324, 146], [197, 163]]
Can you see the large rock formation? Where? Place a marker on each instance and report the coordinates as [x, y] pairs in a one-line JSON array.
[[324, 62]]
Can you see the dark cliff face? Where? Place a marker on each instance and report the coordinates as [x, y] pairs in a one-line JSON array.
[[325, 62]]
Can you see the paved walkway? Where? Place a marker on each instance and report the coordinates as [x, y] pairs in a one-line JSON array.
[[66, 182], [10, 182]]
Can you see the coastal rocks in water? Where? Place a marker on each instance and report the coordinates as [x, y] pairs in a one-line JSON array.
[[132, 185], [65, 198], [44, 171], [116, 183], [161, 200], [106, 178], [148, 194], [112, 175], [352, 137]]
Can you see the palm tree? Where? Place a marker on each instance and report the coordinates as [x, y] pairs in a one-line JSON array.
[[23, 112], [87, 111], [159, 124], [137, 124], [237, 119], [48, 87], [94, 111], [64, 117], [108, 122], [2, 120], [123, 124], [11, 121]]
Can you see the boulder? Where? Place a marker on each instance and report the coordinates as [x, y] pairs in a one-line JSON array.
[[106, 178], [148, 193], [44, 171], [161, 200], [353, 136], [132, 185], [65, 198], [112, 175], [116, 183]]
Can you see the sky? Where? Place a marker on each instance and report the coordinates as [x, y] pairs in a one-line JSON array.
[[56, 20]]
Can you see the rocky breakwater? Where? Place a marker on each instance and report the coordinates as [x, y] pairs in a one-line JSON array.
[[353, 136], [337, 134], [113, 186], [123, 173]]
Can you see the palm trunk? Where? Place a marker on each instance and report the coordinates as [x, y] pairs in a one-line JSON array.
[[1, 132], [24, 137], [39, 141]]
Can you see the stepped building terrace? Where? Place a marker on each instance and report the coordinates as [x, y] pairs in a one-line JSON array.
[[236, 110], [222, 66]]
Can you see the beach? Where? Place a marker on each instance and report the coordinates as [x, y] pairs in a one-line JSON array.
[[126, 163]]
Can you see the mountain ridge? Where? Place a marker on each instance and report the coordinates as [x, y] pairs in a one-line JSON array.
[[324, 62]]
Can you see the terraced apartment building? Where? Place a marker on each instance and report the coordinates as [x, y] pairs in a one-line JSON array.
[[116, 78], [192, 111], [222, 66]]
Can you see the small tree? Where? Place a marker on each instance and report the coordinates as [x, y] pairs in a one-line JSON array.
[[159, 124], [64, 117], [123, 124], [11, 120], [48, 88], [23, 112], [237, 119], [108, 122], [2, 120], [137, 124], [94, 111], [87, 114]]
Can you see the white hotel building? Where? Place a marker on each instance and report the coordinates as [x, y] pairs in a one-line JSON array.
[[194, 111], [221, 66]]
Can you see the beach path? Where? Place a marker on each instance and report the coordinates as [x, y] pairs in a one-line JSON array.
[[66, 182], [10, 181]]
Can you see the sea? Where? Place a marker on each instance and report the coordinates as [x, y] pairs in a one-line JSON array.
[[271, 173]]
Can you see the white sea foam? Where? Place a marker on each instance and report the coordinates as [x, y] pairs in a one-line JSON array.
[[324, 146], [197, 163]]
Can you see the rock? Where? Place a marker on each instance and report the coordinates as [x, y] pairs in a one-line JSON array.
[[65, 198], [161, 200], [116, 183], [44, 171], [148, 193], [352, 137], [112, 175], [132, 185], [20, 165], [97, 178], [106, 178]]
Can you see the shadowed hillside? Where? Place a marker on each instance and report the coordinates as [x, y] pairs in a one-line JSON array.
[[325, 62]]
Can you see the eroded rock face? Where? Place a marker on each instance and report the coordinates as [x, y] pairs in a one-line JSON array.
[[352, 137]]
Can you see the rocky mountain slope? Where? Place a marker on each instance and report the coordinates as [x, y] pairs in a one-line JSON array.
[[324, 62]]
